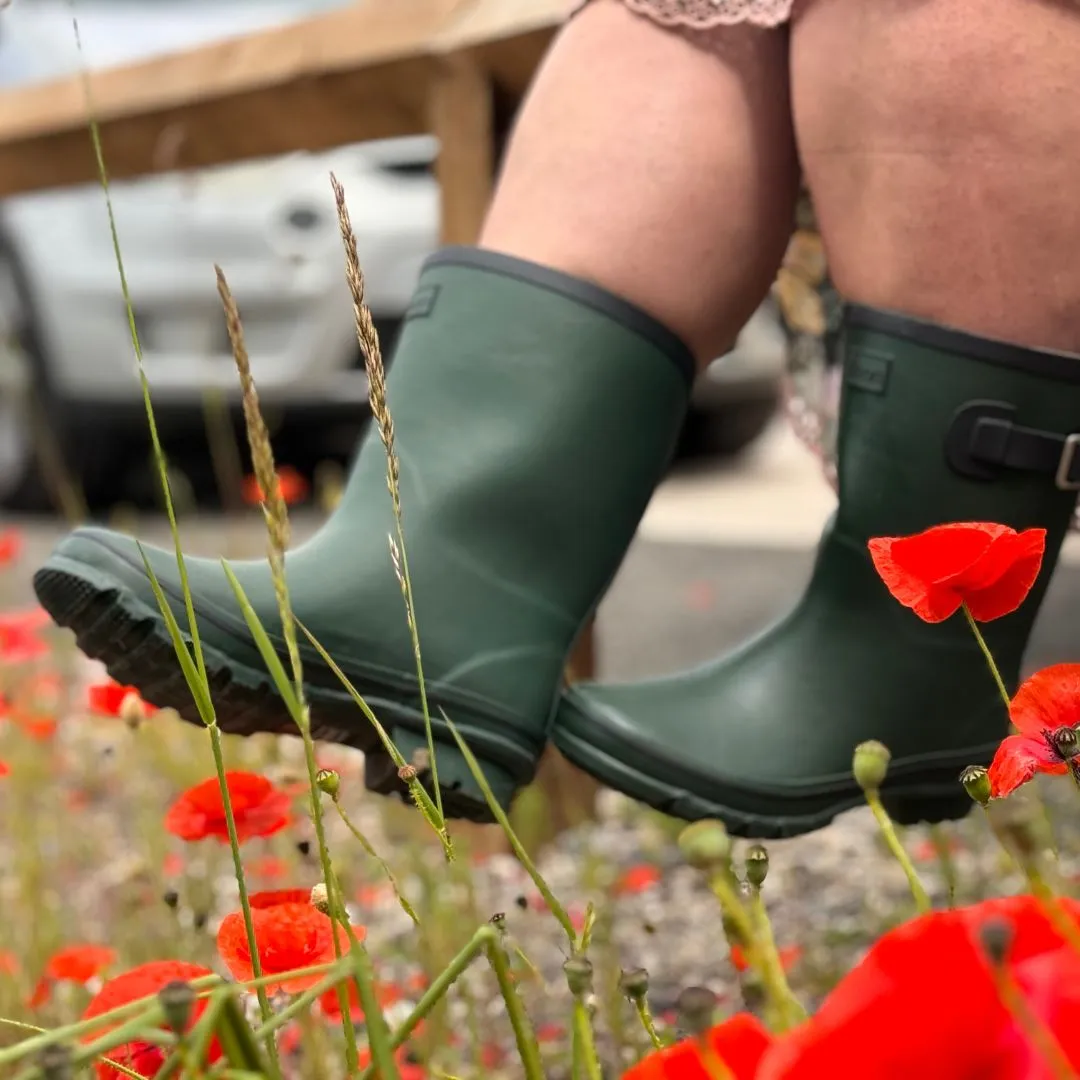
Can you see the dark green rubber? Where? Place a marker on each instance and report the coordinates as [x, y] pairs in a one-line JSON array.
[[763, 737], [534, 413]]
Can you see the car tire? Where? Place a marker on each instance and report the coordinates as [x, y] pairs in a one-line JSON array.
[[726, 431], [31, 404]]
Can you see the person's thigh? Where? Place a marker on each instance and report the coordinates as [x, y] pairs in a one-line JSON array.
[[658, 162], [941, 144]]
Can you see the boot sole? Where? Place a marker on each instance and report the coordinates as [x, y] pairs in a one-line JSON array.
[[116, 627], [914, 800]]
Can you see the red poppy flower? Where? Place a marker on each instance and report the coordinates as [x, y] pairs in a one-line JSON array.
[[789, 957], [289, 936], [740, 1043], [268, 867], [11, 543], [38, 728], [259, 809], [1046, 712], [408, 1070], [291, 484], [73, 963], [108, 699], [9, 963], [5, 769], [989, 567], [269, 898], [19, 640], [143, 981], [922, 1003], [387, 993], [637, 879]]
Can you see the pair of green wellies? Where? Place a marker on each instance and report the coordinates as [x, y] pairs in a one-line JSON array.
[[535, 413]]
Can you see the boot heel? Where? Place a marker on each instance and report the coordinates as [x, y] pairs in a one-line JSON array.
[[927, 809], [461, 794]]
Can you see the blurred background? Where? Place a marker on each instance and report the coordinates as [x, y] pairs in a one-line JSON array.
[[724, 547], [270, 224]]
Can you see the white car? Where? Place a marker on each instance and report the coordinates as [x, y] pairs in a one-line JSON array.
[[65, 340]]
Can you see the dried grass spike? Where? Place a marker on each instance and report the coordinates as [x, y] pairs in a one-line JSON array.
[[262, 455], [368, 338]]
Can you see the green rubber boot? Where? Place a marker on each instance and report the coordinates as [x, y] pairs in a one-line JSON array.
[[534, 414], [936, 426]]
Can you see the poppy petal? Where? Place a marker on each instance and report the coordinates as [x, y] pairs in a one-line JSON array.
[[910, 589], [1047, 700], [1002, 579], [1017, 759]]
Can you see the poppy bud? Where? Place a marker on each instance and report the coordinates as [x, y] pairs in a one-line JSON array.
[[634, 984], [132, 711], [696, 1007], [498, 920], [757, 865], [579, 976], [320, 898], [976, 781], [871, 765], [996, 936], [55, 1062], [705, 845], [1065, 742], [177, 999], [328, 782]]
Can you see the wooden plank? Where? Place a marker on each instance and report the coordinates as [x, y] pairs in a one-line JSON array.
[[362, 72]]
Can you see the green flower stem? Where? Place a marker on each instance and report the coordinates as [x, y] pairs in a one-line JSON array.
[[1040, 889], [940, 841], [1030, 1023], [140, 1027], [368, 847], [892, 841], [297, 1005], [481, 941], [763, 935], [715, 1066], [147, 1010], [245, 904], [641, 1007], [518, 848], [416, 790], [528, 1048], [378, 1033], [292, 694], [586, 1062], [990, 662], [783, 1002]]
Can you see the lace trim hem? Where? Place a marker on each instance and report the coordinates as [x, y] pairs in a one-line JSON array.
[[709, 14]]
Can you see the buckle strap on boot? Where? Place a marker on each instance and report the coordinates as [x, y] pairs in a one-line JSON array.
[[983, 439]]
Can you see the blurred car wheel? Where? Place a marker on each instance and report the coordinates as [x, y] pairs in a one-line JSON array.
[[20, 481], [36, 426]]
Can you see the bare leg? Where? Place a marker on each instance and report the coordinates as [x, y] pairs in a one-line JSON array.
[[942, 147], [661, 169]]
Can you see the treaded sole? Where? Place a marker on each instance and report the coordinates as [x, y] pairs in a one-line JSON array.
[[908, 805], [133, 642]]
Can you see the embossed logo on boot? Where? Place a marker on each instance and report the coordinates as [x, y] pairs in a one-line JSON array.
[[868, 369], [423, 302]]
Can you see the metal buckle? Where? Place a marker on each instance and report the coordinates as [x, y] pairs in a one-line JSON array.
[[1068, 453]]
